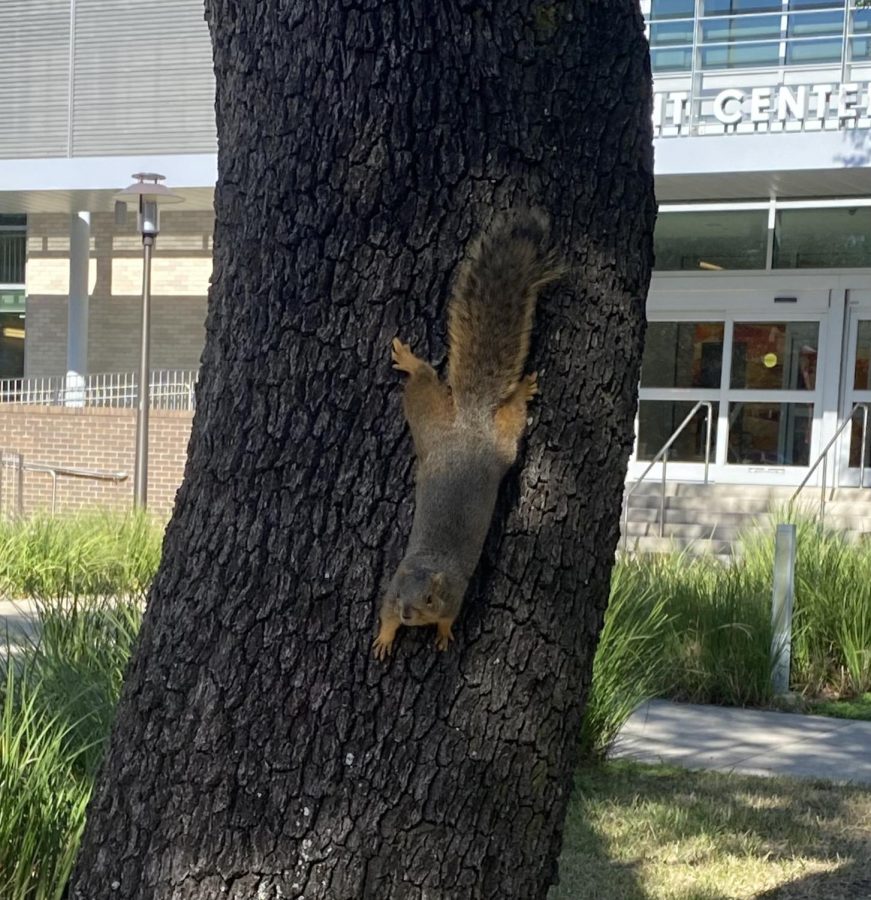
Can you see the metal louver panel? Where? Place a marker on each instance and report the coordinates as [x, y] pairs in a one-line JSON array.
[[142, 78], [34, 78]]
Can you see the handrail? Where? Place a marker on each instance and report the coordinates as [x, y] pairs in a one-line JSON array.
[[663, 455], [70, 472], [822, 457], [16, 461]]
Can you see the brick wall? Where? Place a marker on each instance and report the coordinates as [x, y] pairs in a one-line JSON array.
[[95, 439], [181, 269]]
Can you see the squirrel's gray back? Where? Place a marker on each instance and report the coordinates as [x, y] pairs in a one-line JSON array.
[[454, 502]]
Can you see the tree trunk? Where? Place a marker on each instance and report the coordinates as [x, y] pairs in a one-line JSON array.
[[259, 749]]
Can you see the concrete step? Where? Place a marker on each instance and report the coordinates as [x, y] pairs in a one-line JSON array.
[[693, 489], [720, 549], [702, 516], [684, 531], [744, 505], [842, 518], [837, 508], [856, 524], [839, 495], [683, 492]]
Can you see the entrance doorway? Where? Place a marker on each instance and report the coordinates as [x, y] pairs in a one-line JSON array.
[[767, 361]]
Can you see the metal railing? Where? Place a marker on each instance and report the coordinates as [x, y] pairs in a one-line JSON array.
[[16, 462], [171, 389], [663, 455], [824, 453]]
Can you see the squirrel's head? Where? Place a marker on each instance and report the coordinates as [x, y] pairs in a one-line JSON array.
[[422, 595]]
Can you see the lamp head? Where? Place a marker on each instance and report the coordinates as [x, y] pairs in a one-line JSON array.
[[148, 191]]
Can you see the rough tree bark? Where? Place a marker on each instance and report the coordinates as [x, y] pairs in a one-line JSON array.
[[259, 750]]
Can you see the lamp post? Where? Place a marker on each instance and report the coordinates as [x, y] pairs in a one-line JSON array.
[[148, 191]]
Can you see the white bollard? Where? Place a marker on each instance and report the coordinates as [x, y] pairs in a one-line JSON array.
[[782, 598]]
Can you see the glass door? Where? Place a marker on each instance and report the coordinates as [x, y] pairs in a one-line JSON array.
[[760, 376], [772, 397], [856, 389], [683, 363]]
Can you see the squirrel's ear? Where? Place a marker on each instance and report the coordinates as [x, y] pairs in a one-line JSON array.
[[437, 581]]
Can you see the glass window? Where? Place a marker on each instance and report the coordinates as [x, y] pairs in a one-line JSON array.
[[847, 243], [13, 251], [657, 420], [770, 434], [806, 52], [810, 24], [741, 56], [711, 241], [861, 20], [863, 357], [11, 345], [672, 9], [856, 442], [816, 4], [734, 7], [860, 48], [677, 60], [663, 33], [683, 355], [741, 29], [779, 356]]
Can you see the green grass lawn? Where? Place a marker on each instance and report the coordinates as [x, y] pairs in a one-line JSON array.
[[657, 833], [857, 708]]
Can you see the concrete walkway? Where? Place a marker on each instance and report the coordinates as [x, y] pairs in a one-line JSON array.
[[17, 622], [753, 742]]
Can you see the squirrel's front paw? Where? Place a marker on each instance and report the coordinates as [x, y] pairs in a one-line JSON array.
[[444, 636], [381, 647], [403, 358]]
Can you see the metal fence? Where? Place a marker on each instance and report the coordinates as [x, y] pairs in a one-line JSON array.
[[171, 389]]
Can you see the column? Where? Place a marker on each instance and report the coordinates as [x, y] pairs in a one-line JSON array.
[[77, 310]]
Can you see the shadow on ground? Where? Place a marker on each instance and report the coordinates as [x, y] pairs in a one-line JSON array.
[[586, 869], [643, 833], [851, 882]]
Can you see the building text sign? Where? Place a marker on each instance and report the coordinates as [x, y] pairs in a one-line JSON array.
[[785, 107]]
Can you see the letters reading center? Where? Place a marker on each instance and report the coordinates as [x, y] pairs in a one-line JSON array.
[[839, 104]]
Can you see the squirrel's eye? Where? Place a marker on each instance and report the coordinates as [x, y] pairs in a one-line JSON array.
[[429, 601]]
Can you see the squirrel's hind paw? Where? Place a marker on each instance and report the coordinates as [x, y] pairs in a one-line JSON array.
[[530, 385]]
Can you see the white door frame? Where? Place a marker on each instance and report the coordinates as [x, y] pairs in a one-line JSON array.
[[858, 309], [759, 297]]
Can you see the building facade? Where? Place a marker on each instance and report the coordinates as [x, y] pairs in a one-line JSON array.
[[761, 300], [91, 92], [760, 307]]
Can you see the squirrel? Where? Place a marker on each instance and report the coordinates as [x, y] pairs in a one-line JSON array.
[[466, 430]]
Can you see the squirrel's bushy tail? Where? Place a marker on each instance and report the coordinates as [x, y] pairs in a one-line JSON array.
[[492, 307]]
